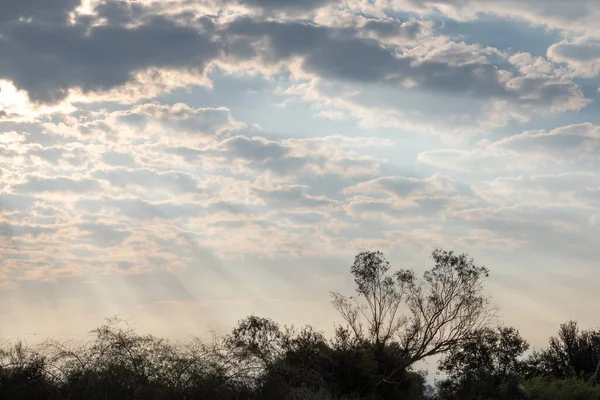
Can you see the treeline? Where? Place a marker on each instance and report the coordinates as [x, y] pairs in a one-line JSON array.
[[393, 321]]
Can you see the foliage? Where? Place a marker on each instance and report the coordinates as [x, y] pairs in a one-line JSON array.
[[570, 354], [23, 374], [487, 365], [394, 321], [561, 389], [407, 319]]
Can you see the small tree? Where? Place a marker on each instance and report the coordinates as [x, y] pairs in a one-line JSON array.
[[573, 353], [255, 345], [421, 318], [381, 295], [487, 365]]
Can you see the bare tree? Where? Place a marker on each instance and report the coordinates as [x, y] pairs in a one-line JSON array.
[[422, 317], [379, 299]]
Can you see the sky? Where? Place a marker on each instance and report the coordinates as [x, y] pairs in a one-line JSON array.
[[187, 163]]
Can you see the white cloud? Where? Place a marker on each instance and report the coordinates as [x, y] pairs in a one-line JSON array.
[[564, 144], [575, 15], [571, 144], [581, 55]]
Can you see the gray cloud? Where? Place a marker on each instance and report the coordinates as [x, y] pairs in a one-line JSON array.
[[228, 208], [58, 57], [188, 154], [337, 54], [581, 55], [271, 5], [51, 154], [179, 118], [567, 143], [400, 186], [255, 149], [410, 188], [50, 57], [573, 14], [37, 184], [13, 202], [262, 154], [9, 230], [38, 10], [172, 181], [577, 52], [118, 159], [142, 210], [555, 229], [304, 218], [570, 188], [418, 208], [103, 235], [294, 196], [394, 28]]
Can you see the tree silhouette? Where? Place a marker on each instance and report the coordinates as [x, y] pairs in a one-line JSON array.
[[415, 318], [573, 353], [487, 365]]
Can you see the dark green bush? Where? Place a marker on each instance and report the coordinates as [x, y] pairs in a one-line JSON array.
[[561, 389]]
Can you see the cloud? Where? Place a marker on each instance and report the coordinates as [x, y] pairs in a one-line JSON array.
[[103, 235], [142, 210], [466, 160], [488, 240], [178, 119], [327, 52], [437, 65], [369, 209], [255, 149], [402, 187], [329, 155], [258, 153], [577, 188], [55, 10], [572, 15], [12, 202], [9, 230], [469, 87], [581, 55], [37, 184], [170, 181], [572, 144], [406, 198], [60, 56], [294, 196], [557, 229], [106, 169], [395, 29], [273, 5], [118, 159], [176, 127], [564, 144], [405, 57]]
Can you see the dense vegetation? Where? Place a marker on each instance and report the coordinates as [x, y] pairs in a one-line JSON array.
[[392, 322]]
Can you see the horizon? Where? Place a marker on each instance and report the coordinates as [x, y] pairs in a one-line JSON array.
[[187, 164]]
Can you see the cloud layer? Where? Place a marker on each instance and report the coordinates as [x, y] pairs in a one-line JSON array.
[[169, 144]]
